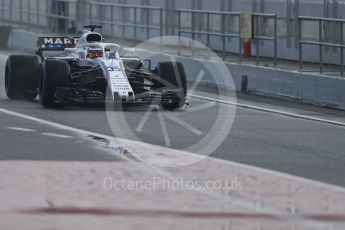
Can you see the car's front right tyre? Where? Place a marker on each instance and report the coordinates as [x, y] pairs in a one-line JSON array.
[[173, 77]]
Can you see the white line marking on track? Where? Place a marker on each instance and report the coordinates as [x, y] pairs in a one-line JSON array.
[[197, 108], [53, 124], [230, 163], [57, 135], [274, 111], [21, 129]]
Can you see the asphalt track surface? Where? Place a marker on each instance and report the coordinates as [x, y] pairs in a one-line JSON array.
[[279, 142]]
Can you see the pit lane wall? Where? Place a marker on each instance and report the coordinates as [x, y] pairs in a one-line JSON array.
[[275, 83], [288, 85]]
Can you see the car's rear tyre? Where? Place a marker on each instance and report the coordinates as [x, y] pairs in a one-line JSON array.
[[22, 76], [55, 74], [174, 77]]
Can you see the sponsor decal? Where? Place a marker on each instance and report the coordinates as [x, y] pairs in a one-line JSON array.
[[114, 69], [48, 42]]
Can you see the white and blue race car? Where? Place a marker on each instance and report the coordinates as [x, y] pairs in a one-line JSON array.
[[86, 69]]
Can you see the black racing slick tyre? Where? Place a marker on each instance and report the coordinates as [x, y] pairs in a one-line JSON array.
[[173, 77], [22, 76], [54, 74]]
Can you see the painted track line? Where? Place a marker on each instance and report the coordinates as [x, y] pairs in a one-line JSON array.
[[21, 129], [57, 135], [179, 214], [54, 124], [273, 111]]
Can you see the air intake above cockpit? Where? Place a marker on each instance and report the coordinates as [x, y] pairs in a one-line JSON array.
[[94, 37]]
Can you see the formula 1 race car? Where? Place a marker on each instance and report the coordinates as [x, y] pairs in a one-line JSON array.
[[87, 69]]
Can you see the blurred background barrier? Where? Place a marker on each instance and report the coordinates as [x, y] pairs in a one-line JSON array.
[[4, 36], [135, 22], [282, 31], [322, 40]]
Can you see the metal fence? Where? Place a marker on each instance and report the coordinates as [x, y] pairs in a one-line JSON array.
[[261, 35], [230, 27], [56, 16], [321, 40], [122, 17], [219, 30], [209, 31]]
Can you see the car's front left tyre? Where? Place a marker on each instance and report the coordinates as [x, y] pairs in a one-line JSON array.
[[54, 74]]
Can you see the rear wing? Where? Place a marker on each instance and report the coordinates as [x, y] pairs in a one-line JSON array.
[[55, 43]]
